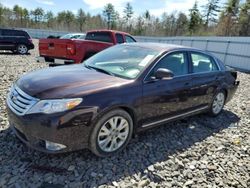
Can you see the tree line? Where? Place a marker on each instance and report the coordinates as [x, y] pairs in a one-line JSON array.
[[214, 18]]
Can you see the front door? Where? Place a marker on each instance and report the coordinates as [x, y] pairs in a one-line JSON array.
[[165, 98]]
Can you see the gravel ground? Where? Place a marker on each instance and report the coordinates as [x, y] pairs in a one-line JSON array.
[[195, 152]]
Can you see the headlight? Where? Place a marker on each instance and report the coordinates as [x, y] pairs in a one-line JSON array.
[[54, 106]]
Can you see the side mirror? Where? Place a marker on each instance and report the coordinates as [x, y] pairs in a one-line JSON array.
[[162, 73]]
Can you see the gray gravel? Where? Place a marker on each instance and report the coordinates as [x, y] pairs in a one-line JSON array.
[[195, 152]]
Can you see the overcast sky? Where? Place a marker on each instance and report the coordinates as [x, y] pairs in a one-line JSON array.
[[156, 7]]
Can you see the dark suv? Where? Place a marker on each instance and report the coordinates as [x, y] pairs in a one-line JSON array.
[[18, 41]]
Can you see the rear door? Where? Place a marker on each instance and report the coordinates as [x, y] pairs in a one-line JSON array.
[[206, 78], [1, 40], [8, 41]]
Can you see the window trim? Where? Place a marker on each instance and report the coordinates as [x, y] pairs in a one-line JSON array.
[[206, 55], [146, 78], [190, 72], [129, 37]]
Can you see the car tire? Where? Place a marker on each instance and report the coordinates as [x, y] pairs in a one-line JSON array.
[[22, 49], [217, 103], [111, 133]]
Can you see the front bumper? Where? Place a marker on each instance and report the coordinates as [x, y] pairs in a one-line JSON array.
[[71, 129]]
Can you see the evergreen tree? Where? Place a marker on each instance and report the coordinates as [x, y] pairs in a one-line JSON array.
[[244, 19], [195, 19], [110, 15], [181, 24], [128, 13], [81, 18], [228, 24], [211, 10], [49, 17]]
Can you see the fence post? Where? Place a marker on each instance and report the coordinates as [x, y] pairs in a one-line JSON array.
[[226, 52], [192, 41], [207, 45]]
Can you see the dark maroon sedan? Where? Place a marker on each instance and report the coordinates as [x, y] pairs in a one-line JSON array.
[[116, 93]]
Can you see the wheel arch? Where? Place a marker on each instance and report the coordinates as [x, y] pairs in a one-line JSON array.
[[126, 108]]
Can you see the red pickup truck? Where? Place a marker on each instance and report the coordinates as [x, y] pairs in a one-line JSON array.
[[69, 51]]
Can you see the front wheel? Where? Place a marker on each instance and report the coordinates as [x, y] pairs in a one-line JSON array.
[[111, 133], [218, 103], [22, 49]]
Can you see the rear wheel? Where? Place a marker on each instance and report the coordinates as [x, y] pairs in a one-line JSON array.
[[111, 133], [218, 103], [22, 49]]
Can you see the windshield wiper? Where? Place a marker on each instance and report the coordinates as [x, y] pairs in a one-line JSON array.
[[100, 70]]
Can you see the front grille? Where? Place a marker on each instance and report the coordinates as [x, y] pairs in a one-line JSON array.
[[20, 102]]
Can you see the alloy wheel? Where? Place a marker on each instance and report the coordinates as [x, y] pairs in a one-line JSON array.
[[22, 49], [218, 103], [113, 134]]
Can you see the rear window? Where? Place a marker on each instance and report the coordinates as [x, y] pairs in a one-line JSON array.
[[99, 36]]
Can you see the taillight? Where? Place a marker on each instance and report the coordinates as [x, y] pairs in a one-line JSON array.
[[71, 50]]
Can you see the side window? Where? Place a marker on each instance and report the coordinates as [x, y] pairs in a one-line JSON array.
[[129, 39], [202, 63], [119, 38], [21, 33], [176, 62], [8, 33]]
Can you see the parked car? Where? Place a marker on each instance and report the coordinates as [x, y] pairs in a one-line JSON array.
[[68, 51], [73, 36], [116, 93], [18, 41]]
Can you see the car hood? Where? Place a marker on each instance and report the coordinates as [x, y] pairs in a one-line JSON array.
[[67, 82]]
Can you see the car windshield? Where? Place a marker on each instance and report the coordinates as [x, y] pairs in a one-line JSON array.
[[124, 61]]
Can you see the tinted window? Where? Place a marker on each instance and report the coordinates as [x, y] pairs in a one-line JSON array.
[[8, 33], [176, 62], [15, 33], [129, 39], [202, 63], [99, 36], [119, 38]]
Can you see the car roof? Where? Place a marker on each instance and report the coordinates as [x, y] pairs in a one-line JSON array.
[[108, 30], [160, 46], [12, 29], [76, 34]]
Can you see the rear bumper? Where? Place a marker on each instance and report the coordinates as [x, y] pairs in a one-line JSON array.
[[31, 46], [232, 90], [55, 61]]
